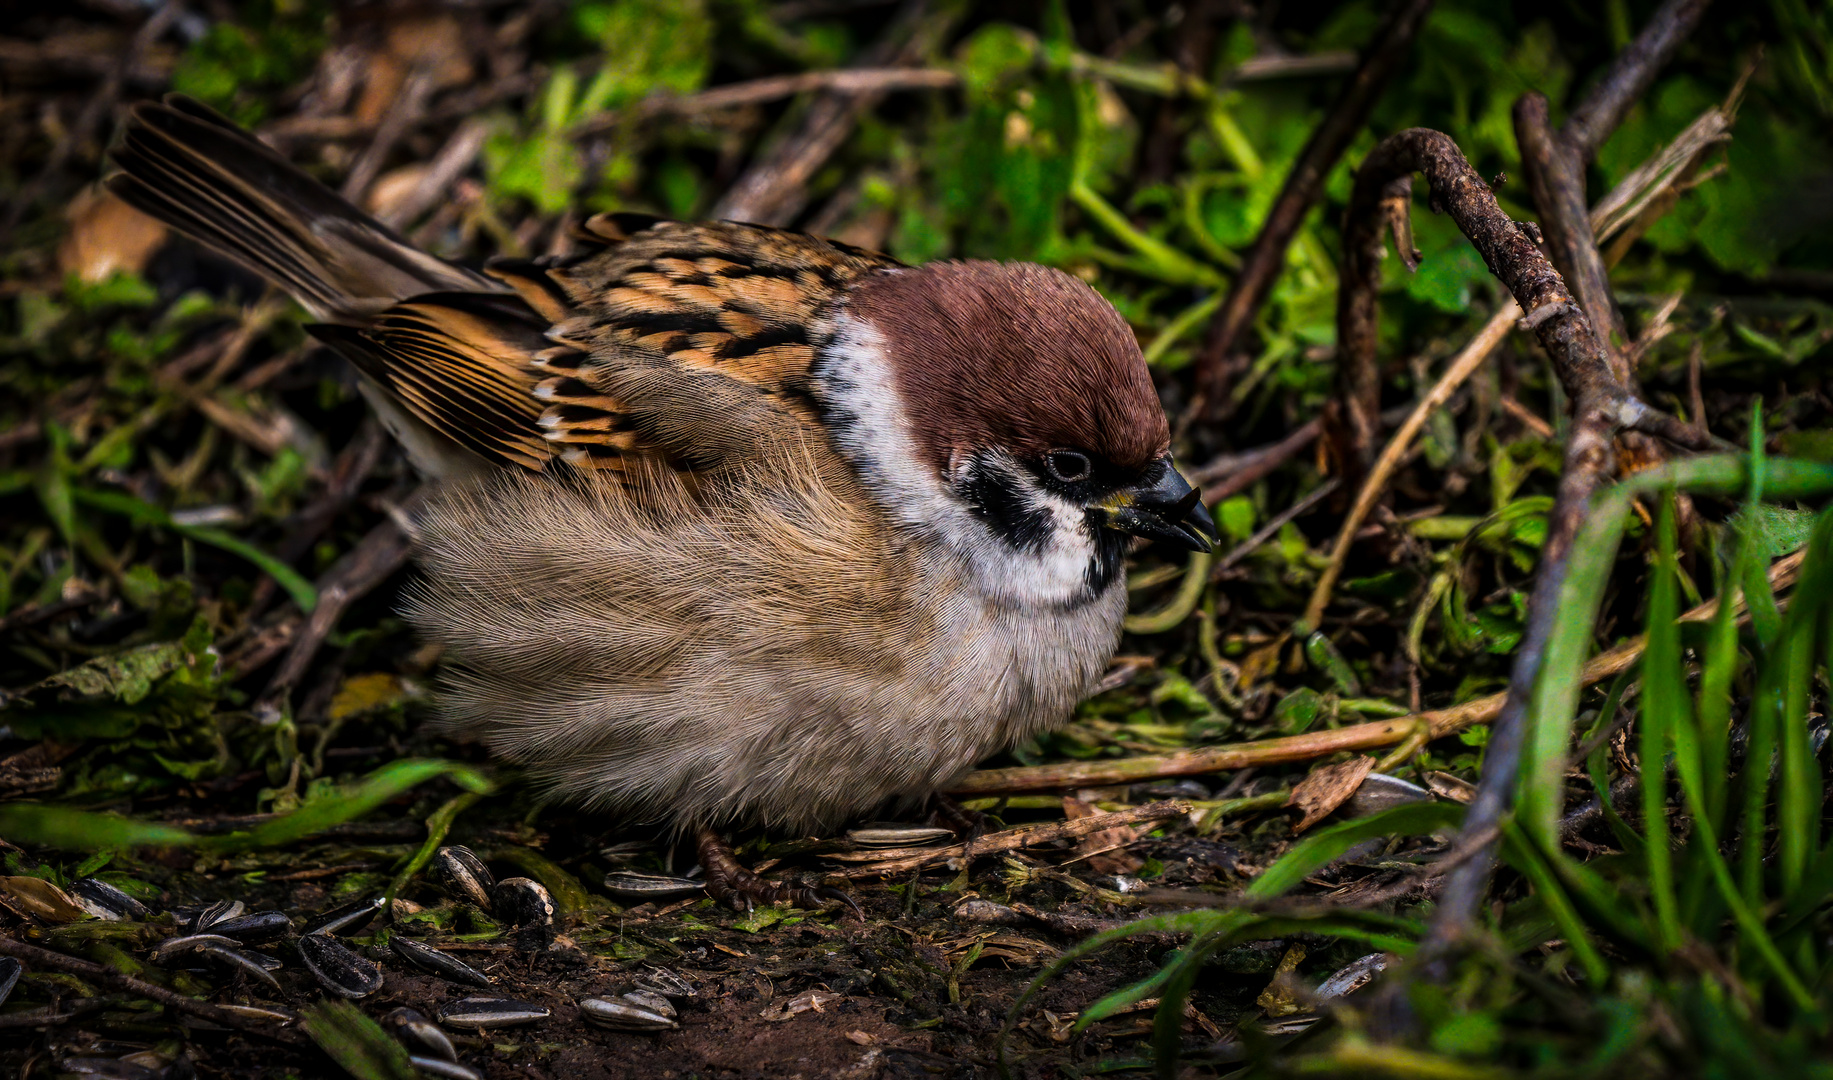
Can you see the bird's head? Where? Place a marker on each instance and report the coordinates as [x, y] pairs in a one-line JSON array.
[[1008, 405]]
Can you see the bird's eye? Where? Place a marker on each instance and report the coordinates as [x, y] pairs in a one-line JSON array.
[[1068, 466]]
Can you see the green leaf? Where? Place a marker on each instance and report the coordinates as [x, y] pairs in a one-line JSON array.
[[81, 830], [1326, 845], [1236, 516], [146, 514], [126, 676], [1667, 718], [994, 53], [352, 801], [355, 1041], [543, 168]]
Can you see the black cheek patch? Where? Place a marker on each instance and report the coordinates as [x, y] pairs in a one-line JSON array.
[[998, 500], [1109, 559]]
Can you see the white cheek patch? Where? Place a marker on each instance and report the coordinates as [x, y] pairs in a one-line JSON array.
[[873, 431]]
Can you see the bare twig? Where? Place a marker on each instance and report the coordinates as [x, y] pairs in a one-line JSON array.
[[1231, 474], [1265, 261], [441, 173], [1630, 76], [1556, 177], [1602, 399], [57, 1014], [774, 88], [377, 556], [1600, 402], [1271, 528], [904, 860], [1461, 368], [1195, 45], [408, 110], [774, 189]]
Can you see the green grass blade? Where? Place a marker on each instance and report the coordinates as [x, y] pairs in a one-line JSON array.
[[1597, 769], [1518, 849], [1593, 554], [1799, 791], [1329, 844], [1755, 934], [1666, 719], [1760, 748], [1594, 895], [145, 513], [352, 801], [1168, 1021], [1722, 661]]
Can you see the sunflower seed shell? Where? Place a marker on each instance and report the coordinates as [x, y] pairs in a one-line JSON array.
[[417, 1031], [442, 964], [654, 1002], [485, 1013], [523, 902], [897, 836], [221, 911], [104, 901], [255, 928], [452, 1070], [261, 1012], [619, 1014], [171, 947], [346, 919], [254, 965], [338, 969], [634, 887], [9, 976], [465, 874]]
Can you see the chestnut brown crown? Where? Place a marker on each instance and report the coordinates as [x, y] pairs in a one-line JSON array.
[[1015, 356]]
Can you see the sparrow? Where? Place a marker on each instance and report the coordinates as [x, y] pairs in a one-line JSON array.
[[734, 526]]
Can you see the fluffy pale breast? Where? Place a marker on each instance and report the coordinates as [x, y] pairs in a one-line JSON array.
[[770, 651]]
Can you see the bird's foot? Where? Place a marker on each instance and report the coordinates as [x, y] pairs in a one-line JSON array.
[[731, 884], [949, 814]]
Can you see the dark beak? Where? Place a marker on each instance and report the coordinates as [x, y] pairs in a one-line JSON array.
[[1162, 506]]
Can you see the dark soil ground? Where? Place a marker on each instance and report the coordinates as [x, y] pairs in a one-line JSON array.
[[915, 990]]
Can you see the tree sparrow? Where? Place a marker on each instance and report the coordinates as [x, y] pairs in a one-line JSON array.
[[738, 526]]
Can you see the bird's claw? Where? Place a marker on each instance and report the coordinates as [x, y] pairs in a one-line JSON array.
[[731, 884]]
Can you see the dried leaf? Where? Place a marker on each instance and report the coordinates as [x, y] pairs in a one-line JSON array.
[[106, 237], [41, 899], [1104, 851], [812, 1001], [1328, 788], [1280, 998]]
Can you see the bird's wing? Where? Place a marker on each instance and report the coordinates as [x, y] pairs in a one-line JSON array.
[[460, 364], [674, 333], [679, 342]]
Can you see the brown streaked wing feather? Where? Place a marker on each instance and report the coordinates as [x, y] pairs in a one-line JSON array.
[[740, 301], [463, 363]]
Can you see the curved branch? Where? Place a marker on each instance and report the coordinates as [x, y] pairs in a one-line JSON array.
[[1378, 205]]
